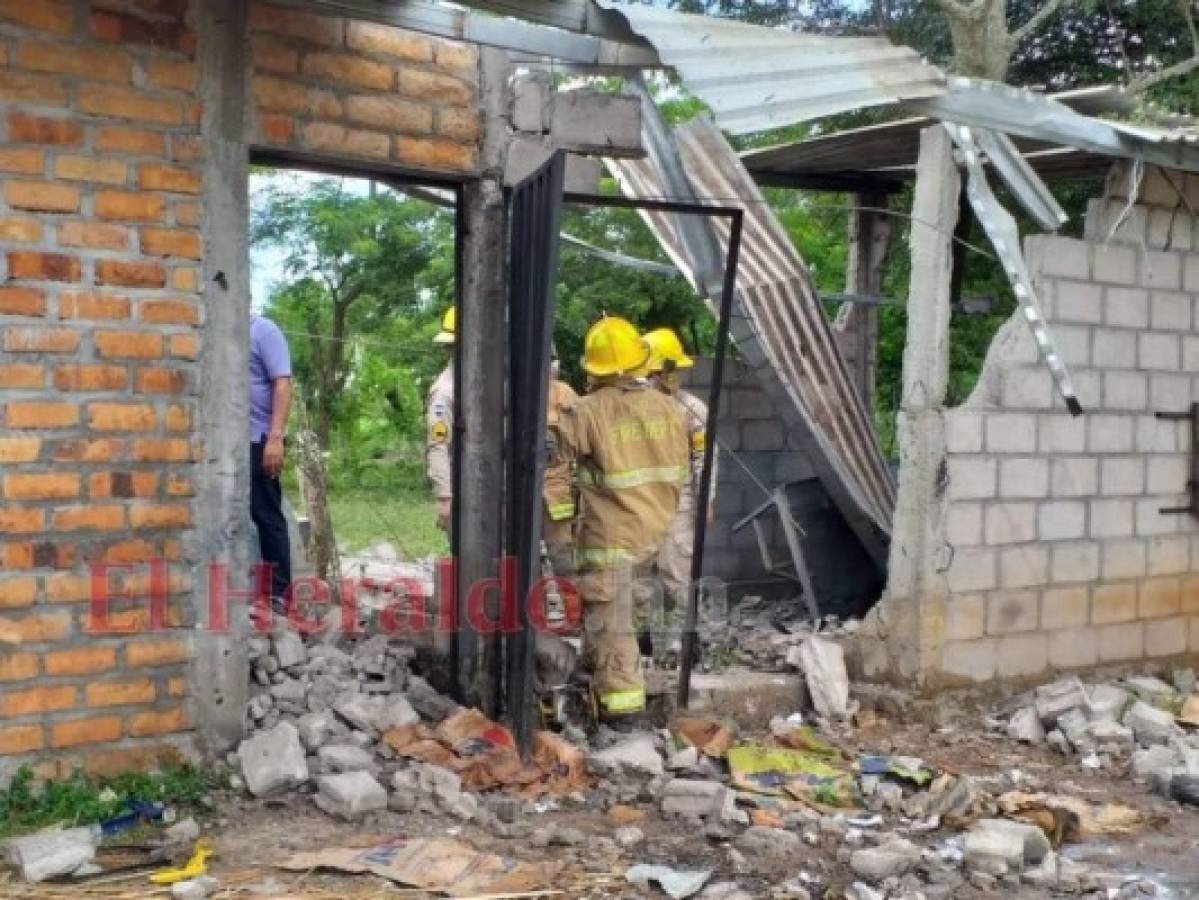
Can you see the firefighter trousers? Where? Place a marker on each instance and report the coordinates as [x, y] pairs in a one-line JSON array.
[[609, 641]]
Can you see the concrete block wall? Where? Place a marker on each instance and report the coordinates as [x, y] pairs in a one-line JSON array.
[[751, 427], [1060, 558], [104, 328]]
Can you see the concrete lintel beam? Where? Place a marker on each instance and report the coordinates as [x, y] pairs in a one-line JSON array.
[[589, 121], [527, 154]]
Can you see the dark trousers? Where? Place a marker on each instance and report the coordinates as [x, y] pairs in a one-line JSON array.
[[266, 509]]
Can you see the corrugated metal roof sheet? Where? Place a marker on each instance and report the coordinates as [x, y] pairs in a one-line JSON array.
[[757, 78], [778, 318]]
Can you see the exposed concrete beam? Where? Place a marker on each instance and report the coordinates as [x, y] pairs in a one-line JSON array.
[[223, 533]]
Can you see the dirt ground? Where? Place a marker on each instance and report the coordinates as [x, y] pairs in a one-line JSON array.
[[252, 836]]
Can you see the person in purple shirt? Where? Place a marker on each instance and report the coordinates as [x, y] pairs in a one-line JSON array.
[[270, 402]]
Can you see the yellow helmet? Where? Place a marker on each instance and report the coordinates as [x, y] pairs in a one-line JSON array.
[[613, 347], [665, 345], [449, 327]]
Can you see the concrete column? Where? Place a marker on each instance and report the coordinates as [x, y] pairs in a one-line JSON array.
[[905, 630], [480, 385], [223, 533]]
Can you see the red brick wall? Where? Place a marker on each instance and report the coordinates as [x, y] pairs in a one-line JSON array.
[[102, 317], [99, 335], [359, 89]]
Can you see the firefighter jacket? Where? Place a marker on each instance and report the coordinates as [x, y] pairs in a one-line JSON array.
[[629, 444], [439, 417], [558, 484], [695, 413]]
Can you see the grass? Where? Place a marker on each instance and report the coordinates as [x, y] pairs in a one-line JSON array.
[[407, 517], [26, 805]]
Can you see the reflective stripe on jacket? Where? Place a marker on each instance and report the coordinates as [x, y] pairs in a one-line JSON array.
[[557, 488]]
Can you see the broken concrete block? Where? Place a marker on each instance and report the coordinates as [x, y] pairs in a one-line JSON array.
[[289, 648], [1055, 700], [195, 888], [688, 798], [273, 761], [1106, 701], [823, 665], [683, 759], [1025, 725], [888, 860], [350, 795], [345, 758], [997, 846], [1153, 762], [1073, 725], [1109, 736], [1152, 690], [637, 755], [531, 92], [289, 690], [760, 840], [314, 730], [1150, 724], [464, 806], [587, 120], [374, 713], [628, 837], [426, 701], [47, 854]]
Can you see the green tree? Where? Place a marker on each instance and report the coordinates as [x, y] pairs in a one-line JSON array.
[[354, 263]]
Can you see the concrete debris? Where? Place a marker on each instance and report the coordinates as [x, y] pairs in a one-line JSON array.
[[1152, 690], [676, 883], [761, 840], [637, 756], [628, 837], [196, 888], [1025, 725], [688, 798], [823, 665], [994, 851], [892, 858], [1033, 840], [273, 761], [50, 854], [1055, 700], [345, 758], [182, 832], [350, 796], [1149, 724], [1106, 701], [289, 648]]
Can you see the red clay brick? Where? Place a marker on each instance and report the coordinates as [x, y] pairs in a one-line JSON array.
[[123, 484], [159, 450], [187, 148], [85, 168], [41, 486], [393, 113], [120, 693], [185, 346], [169, 312], [133, 206], [330, 137], [422, 84], [458, 124], [42, 196], [164, 722], [80, 661], [34, 630], [35, 414], [18, 666], [24, 128], [90, 378], [187, 214], [100, 235], [19, 449], [164, 516], [68, 588], [127, 103], [130, 140], [131, 551], [43, 90], [180, 486], [279, 95], [171, 75], [186, 279], [121, 416], [161, 381], [276, 129], [20, 301], [37, 266], [20, 739], [20, 230], [95, 517], [156, 653], [18, 592], [315, 29], [41, 340], [56, 16], [457, 56], [131, 759], [178, 418], [271, 55], [131, 273], [22, 160], [22, 375], [385, 40], [169, 178], [89, 305], [349, 69], [131, 29], [91, 63], [93, 450], [85, 731], [435, 153], [171, 242], [128, 344]]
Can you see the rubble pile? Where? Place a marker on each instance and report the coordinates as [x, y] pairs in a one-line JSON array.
[[765, 634], [1138, 725]]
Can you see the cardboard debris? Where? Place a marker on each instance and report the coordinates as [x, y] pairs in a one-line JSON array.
[[483, 754], [706, 735], [1189, 714], [1066, 819], [443, 865]]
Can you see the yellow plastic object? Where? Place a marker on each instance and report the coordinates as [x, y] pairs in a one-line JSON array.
[[196, 866], [449, 327]]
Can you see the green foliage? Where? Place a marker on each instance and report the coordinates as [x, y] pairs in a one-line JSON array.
[[25, 805]]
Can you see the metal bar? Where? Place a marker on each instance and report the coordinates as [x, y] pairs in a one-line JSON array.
[[695, 208], [705, 479], [782, 505]]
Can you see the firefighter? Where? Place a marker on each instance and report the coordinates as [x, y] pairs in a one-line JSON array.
[[629, 445], [557, 492], [439, 416], [667, 358]]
